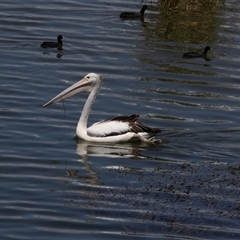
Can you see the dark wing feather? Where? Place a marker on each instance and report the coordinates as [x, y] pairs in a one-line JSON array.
[[135, 125]]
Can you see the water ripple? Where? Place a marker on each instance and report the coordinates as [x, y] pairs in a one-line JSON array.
[[54, 186]]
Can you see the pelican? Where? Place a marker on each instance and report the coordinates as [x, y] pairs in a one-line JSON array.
[[117, 129]]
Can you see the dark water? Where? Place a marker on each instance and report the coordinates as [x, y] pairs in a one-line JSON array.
[[53, 187]]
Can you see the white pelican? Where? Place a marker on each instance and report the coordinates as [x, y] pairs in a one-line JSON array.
[[117, 129]]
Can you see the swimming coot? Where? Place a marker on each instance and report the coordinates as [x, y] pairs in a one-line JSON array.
[[57, 44], [134, 15], [196, 54]]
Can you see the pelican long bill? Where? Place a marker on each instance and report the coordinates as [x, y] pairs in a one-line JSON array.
[[82, 86]]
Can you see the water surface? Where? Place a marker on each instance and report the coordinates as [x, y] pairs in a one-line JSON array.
[[56, 187]]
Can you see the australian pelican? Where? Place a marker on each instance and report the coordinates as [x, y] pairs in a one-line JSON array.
[[117, 129]]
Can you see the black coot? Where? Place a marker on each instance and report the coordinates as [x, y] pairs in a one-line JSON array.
[[57, 44], [134, 15], [196, 54]]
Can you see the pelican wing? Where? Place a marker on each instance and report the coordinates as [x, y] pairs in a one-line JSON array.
[[119, 125]]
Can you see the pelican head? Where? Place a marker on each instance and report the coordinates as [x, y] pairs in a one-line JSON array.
[[87, 84]]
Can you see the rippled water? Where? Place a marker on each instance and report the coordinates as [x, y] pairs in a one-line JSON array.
[[53, 187]]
